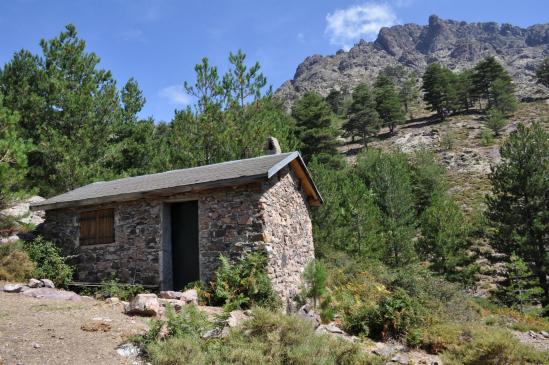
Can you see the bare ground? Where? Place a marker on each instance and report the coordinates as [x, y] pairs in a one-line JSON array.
[[46, 331]]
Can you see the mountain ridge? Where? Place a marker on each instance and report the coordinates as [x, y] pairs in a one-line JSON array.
[[456, 44]]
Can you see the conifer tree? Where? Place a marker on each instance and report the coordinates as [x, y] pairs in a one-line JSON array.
[[315, 126], [388, 103], [518, 206], [542, 72], [439, 91], [409, 95], [485, 73], [362, 117]]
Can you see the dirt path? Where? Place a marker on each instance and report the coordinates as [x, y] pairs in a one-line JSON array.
[[45, 331]]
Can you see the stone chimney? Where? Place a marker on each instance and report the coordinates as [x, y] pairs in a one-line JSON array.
[[272, 147]]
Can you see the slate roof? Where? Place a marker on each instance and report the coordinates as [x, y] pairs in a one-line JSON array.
[[226, 172]]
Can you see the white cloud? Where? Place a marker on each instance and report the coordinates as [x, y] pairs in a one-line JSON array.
[[345, 26], [175, 95]]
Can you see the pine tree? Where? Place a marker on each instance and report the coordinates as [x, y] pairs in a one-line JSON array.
[[389, 177], [485, 73], [518, 206], [495, 120], [542, 72], [13, 154], [409, 95], [439, 91], [502, 96], [315, 126], [336, 100], [388, 104], [362, 117]]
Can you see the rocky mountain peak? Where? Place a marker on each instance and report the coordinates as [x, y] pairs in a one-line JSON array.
[[456, 44]]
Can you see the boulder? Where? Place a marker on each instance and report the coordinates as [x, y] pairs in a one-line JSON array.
[[9, 239], [112, 300], [49, 293], [236, 317], [128, 350], [144, 305], [22, 213], [48, 283], [189, 297], [174, 303], [308, 314], [169, 294], [14, 288], [35, 283]]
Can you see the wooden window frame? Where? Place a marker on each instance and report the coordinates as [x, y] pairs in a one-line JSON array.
[[90, 223]]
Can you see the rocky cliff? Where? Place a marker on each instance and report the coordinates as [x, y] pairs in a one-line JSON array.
[[456, 44]]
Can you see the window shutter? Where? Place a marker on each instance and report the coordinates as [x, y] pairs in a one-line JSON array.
[[97, 227]]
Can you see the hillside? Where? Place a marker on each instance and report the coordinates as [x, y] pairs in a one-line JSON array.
[[455, 44]]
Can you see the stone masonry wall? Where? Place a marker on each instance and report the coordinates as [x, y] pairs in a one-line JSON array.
[[288, 231]]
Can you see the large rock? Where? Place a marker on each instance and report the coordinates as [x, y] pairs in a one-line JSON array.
[[50, 293], [35, 283], [169, 294], [189, 297], [21, 211], [144, 305], [308, 314], [455, 44], [48, 283], [176, 304], [236, 318], [14, 288]]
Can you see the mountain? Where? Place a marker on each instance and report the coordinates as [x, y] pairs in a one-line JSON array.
[[456, 44]]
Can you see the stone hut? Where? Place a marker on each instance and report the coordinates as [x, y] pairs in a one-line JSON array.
[[169, 229]]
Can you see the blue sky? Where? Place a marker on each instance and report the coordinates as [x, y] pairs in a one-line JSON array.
[[159, 42]]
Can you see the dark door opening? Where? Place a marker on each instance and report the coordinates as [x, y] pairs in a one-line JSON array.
[[185, 263]]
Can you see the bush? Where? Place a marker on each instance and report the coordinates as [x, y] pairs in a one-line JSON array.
[[493, 347], [267, 338], [15, 264], [49, 263], [244, 284], [314, 276], [112, 288]]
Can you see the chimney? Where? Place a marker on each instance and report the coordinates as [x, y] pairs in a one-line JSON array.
[[272, 147]]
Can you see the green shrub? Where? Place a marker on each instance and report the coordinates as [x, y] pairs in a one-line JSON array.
[[49, 263], [314, 277], [267, 338], [113, 288], [356, 321], [487, 138], [244, 284], [493, 347], [15, 264]]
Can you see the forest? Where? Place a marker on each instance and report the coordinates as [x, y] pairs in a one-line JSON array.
[[392, 243]]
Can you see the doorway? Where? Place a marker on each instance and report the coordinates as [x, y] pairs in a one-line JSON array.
[[184, 236]]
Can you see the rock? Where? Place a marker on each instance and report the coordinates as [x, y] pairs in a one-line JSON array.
[[9, 239], [400, 359], [190, 296], [128, 350], [13, 288], [35, 345], [213, 333], [307, 314], [35, 283], [49, 293], [458, 45], [544, 334], [96, 325], [21, 211], [112, 300], [144, 305], [236, 317], [163, 332], [174, 303], [48, 283], [169, 294]]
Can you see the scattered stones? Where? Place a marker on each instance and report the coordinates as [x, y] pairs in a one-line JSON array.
[[333, 330], [47, 283], [14, 288], [128, 350], [174, 303], [400, 359], [49, 293], [169, 294], [144, 305], [35, 283]]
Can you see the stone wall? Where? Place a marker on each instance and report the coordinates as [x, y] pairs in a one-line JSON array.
[[288, 232]]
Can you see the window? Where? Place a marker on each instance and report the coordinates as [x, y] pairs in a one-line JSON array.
[[97, 227]]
